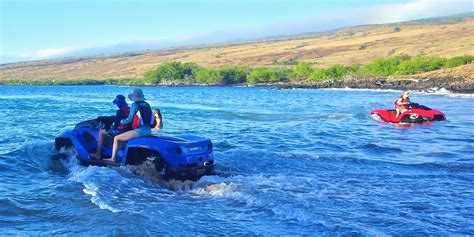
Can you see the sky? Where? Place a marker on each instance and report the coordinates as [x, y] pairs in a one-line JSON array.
[[46, 29]]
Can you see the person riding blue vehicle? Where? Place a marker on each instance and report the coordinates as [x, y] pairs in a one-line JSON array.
[[180, 157], [117, 127], [145, 117]]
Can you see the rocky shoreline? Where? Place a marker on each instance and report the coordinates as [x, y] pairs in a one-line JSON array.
[[455, 80], [462, 85], [429, 85], [426, 85]]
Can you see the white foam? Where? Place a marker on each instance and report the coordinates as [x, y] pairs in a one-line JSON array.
[[92, 190], [86, 176], [444, 92], [222, 189], [146, 170]]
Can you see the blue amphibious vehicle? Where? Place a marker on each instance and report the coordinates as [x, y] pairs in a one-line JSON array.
[[181, 157]]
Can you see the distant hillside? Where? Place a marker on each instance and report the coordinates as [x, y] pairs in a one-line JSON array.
[[448, 36]]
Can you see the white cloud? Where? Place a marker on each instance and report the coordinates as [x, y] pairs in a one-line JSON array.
[[39, 54], [45, 53], [384, 13], [417, 9]]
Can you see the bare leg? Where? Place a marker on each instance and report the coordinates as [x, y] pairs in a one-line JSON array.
[[397, 113], [100, 144], [126, 136]]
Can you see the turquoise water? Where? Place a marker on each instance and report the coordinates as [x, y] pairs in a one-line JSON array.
[[288, 162]]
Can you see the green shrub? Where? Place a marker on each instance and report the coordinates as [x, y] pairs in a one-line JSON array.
[[187, 70], [265, 74], [169, 71], [207, 76], [302, 70], [384, 66], [333, 72], [458, 61], [232, 75], [419, 64], [406, 65]]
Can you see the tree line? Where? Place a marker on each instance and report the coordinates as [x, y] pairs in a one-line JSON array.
[[173, 72], [301, 71]]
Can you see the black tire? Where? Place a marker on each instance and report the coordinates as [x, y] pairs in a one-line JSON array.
[[137, 156], [60, 142], [160, 164], [412, 118]]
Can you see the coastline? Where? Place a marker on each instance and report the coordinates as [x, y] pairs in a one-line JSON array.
[[402, 72], [446, 86], [461, 86]]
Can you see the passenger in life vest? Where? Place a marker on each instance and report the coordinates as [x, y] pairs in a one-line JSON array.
[[145, 116], [117, 127], [157, 125], [402, 104], [158, 120]]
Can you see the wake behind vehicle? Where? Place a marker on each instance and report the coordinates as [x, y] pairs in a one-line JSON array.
[[416, 114], [181, 157]]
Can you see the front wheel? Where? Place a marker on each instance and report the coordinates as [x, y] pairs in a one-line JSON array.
[[62, 143]]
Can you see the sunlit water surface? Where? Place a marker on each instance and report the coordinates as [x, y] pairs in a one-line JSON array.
[[288, 162]]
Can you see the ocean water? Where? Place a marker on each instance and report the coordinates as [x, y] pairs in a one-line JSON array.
[[288, 162]]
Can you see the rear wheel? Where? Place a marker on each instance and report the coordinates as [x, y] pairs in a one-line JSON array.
[[415, 118], [138, 156], [412, 118], [159, 163]]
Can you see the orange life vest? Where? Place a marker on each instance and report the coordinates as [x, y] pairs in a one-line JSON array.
[[402, 106]]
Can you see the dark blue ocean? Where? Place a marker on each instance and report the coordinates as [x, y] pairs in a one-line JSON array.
[[289, 162]]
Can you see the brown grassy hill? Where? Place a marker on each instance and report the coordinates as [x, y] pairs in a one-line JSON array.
[[353, 45]]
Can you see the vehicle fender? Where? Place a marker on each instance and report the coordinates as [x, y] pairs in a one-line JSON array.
[[81, 151]]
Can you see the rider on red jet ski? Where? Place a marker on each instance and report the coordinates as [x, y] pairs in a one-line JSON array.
[[402, 104]]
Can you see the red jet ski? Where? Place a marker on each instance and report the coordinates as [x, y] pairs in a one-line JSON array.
[[416, 114]]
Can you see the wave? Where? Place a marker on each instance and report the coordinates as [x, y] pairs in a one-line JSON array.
[[218, 186], [371, 147], [59, 98], [92, 190], [88, 176], [272, 195], [101, 183], [444, 92], [9, 207]]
